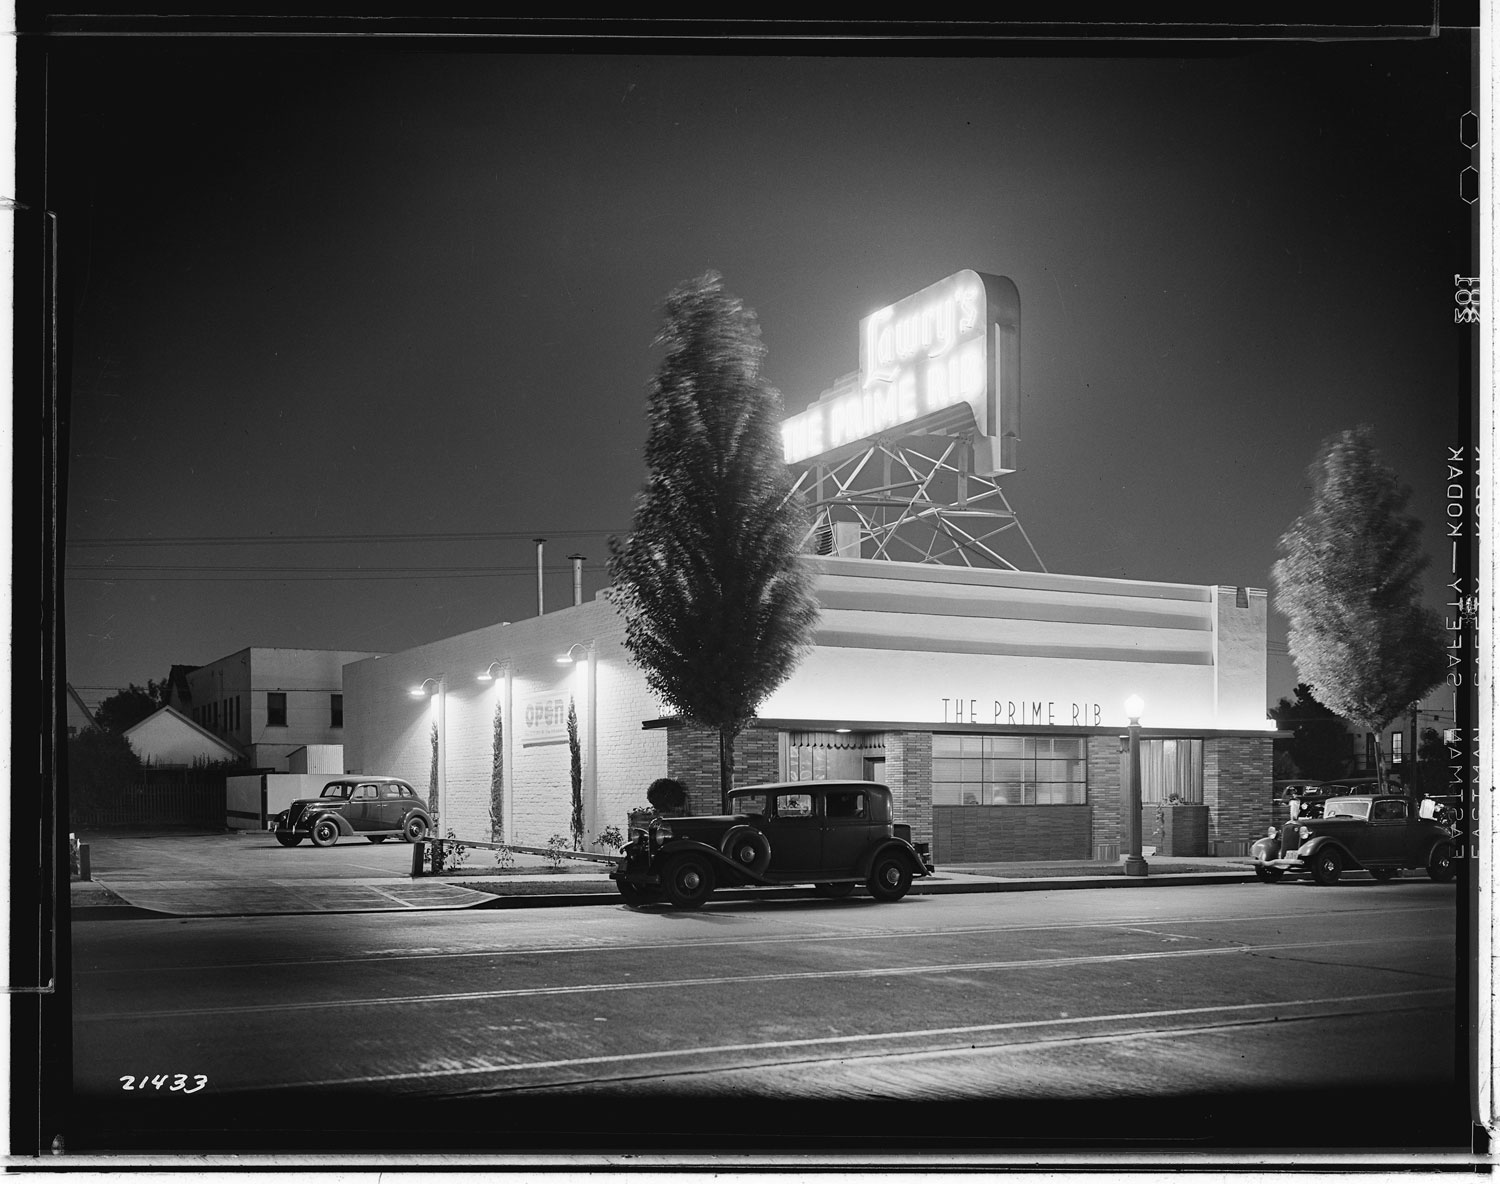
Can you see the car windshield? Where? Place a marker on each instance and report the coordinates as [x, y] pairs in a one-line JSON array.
[[336, 791], [1338, 809]]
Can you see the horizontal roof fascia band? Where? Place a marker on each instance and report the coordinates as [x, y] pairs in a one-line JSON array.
[[832, 568], [839, 639], [961, 605]]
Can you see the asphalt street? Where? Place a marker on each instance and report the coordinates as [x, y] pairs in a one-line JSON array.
[[1226, 1015]]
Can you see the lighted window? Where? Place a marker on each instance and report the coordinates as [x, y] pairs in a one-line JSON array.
[[1172, 772], [275, 709], [1009, 770]]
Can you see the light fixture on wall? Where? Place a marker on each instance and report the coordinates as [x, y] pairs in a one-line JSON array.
[[429, 687], [1135, 864], [491, 672], [569, 658]]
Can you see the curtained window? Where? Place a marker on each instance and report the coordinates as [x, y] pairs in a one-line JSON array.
[[1172, 767]]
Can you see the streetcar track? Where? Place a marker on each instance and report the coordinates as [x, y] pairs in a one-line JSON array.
[[1237, 1015], [344, 1003], [1127, 924]]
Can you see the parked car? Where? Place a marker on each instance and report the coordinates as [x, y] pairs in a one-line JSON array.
[[831, 834], [377, 808], [1302, 798], [1340, 786], [1367, 831]]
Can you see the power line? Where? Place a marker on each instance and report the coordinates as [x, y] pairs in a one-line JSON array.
[[329, 539]]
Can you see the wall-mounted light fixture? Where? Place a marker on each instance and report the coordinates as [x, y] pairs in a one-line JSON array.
[[571, 656], [429, 686], [491, 672]]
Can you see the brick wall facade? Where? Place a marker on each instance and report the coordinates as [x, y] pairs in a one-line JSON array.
[[1237, 787], [1106, 794], [908, 772], [979, 834], [693, 759]]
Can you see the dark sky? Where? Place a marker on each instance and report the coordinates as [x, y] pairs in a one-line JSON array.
[[349, 292]]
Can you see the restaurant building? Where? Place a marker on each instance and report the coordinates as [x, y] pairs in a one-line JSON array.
[[991, 699]]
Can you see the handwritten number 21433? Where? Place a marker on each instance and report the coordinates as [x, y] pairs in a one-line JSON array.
[[178, 1082]]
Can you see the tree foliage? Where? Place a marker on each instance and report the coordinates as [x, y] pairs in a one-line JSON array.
[[124, 709], [1319, 747], [101, 767], [575, 776], [1348, 583], [718, 606], [497, 777]]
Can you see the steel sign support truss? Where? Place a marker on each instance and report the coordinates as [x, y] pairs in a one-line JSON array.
[[922, 503]]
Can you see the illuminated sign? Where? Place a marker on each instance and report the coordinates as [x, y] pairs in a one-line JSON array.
[[544, 719], [953, 344]]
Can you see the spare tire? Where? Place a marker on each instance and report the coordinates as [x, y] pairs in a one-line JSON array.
[[747, 848]]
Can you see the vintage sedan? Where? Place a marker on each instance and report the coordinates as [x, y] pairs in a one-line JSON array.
[[1366, 831], [834, 835], [375, 808]]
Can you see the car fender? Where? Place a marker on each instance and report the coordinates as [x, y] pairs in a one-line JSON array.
[[1317, 843], [735, 872], [339, 820], [880, 846], [1267, 847]]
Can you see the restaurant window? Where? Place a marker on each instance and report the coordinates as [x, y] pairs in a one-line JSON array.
[[1009, 770], [275, 709], [1172, 771]]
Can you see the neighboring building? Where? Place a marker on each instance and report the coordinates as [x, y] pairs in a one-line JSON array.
[[79, 716], [990, 701], [168, 739], [270, 702]]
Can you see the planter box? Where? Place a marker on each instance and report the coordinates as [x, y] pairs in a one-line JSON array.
[[1177, 830]]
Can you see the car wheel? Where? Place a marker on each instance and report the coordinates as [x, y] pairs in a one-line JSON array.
[[1326, 867], [415, 830], [288, 840], [890, 877], [325, 832], [833, 891], [1384, 873], [689, 881], [748, 848], [376, 838], [1268, 875], [1440, 867], [637, 895]]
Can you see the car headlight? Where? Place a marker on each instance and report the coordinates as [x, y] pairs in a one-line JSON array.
[[1303, 834], [660, 832]]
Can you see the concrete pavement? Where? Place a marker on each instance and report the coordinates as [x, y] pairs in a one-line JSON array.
[[248, 874]]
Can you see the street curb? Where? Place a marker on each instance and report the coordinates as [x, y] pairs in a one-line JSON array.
[[129, 912]]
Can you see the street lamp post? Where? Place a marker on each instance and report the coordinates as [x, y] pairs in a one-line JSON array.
[[1135, 864]]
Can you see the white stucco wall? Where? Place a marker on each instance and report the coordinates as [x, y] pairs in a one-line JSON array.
[[898, 643]]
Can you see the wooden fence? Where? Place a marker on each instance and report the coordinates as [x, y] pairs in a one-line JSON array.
[[164, 798]]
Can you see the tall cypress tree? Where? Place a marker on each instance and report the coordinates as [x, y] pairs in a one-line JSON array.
[[718, 603], [1348, 582]]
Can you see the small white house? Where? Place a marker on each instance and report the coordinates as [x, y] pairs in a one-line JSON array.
[[168, 739]]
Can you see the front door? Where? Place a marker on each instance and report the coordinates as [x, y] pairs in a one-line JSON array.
[[363, 810]]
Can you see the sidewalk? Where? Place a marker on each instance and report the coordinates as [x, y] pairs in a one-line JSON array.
[[205, 885]]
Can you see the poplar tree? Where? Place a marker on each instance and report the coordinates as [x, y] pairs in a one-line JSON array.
[[1348, 581], [717, 599]]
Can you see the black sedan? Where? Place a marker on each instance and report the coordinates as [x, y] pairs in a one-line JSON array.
[[375, 808]]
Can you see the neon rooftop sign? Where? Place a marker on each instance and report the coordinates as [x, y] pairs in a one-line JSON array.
[[955, 343]]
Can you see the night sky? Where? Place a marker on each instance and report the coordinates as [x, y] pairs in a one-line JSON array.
[[325, 296]]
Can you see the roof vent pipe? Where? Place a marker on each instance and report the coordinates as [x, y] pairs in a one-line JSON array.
[[577, 578], [539, 609]]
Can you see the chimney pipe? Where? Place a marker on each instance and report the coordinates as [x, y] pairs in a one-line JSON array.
[[539, 609], [577, 578]]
